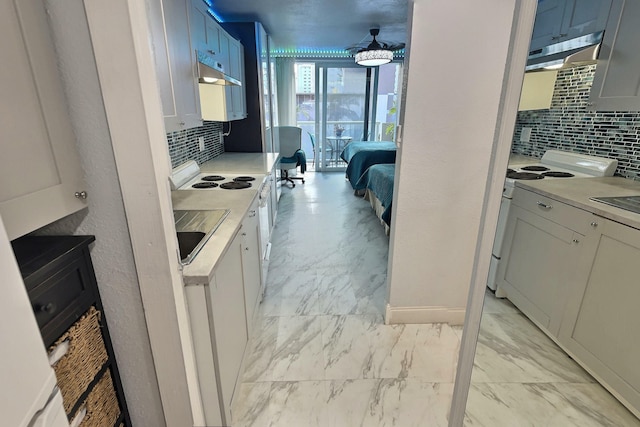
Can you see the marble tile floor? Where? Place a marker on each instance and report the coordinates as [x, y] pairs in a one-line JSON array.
[[321, 354], [522, 378]]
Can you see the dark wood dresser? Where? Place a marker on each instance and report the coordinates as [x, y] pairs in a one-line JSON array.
[[62, 287]]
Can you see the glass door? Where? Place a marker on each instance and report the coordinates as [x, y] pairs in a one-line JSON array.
[[343, 102], [337, 103]]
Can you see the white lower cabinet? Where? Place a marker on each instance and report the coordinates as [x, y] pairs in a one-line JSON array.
[[542, 250], [576, 275], [601, 316], [219, 329], [251, 269]]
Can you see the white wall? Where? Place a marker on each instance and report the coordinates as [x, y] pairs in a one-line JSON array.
[[457, 60], [105, 218]]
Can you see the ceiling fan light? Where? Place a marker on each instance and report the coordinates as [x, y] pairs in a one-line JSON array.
[[373, 58]]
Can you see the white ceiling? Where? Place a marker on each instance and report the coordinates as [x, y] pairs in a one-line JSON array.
[[320, 24]]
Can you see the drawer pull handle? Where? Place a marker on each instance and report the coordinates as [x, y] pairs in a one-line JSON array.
[[576, 241], [48, 308], [542, 205], [252, 214], [594, 224]]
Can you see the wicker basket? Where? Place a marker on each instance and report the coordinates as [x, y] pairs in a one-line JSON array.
[[86, 355], [102, 404]]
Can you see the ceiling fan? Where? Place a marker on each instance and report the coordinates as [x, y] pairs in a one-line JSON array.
[[375, 52]]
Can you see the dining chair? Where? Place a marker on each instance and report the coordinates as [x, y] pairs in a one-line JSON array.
[[328, 149]]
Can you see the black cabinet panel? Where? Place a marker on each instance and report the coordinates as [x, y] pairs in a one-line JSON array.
[[61, 284]]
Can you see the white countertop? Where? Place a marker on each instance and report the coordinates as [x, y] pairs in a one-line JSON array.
[[202, 267], [576, 192], [241, 163]]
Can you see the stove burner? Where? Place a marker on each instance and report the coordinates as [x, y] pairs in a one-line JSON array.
[[244, 179], [235, 185], [212, 178], [554, 174], [204, 185], [535, 168], [524, 175]]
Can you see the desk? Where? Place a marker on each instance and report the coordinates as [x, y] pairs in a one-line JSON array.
[[337, 144]]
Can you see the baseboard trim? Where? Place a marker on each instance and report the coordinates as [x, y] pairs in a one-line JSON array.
[[400, 315]]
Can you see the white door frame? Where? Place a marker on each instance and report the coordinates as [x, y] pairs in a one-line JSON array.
[[524, 16], [135, 118]]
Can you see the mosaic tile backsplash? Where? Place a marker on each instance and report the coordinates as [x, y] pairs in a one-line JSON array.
[[183, 144], [568, 125]]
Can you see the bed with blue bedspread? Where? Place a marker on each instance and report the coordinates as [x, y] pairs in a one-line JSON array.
[[377, 180], [360, 155]]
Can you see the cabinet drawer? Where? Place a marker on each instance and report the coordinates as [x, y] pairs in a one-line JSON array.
[[85, 356], [60, 299], [553, 210]]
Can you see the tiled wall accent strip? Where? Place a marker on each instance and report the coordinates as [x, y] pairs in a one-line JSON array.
[[568, 125], [183, 144]]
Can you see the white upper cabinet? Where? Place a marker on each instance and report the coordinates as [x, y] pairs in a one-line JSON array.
[[559, 20], [175, 64], [205, 32], [40, 170], [616, 84], [236, 70], [218, 103]]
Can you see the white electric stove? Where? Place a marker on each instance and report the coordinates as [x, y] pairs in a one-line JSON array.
[[188, 176], [554, 164]]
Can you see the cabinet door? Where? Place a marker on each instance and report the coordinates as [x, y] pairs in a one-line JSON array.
[[236, 94], [175, 62], [224, 41], [549, 17], [40, 170], [204, 30], [251, 268], [540, 261], [559, 20], [602, 314], [229, 319], [616, 84], [583, 17]]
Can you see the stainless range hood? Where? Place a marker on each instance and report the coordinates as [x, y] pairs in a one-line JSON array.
[[211, 71], [577, 51]]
